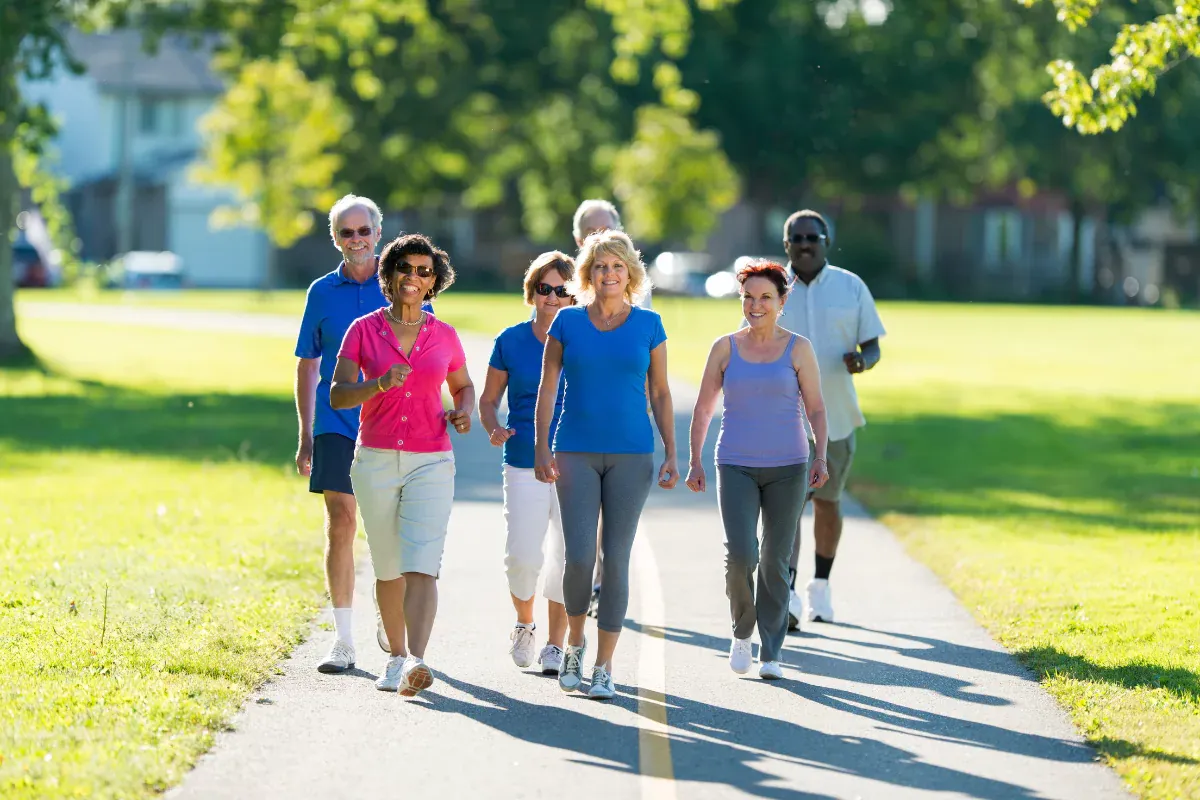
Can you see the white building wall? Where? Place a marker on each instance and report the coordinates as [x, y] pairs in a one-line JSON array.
[[216, 258], [85, 139]]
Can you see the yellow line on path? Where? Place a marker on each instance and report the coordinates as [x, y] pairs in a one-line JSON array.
[[654, 744]]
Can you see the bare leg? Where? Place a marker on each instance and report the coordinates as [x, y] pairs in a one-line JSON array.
[[391, 608], [340, 526], [827, 527], [524, 609], [605, 646], [558, 623], [420, 608]]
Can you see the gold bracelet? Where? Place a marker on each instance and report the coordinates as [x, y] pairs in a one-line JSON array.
[[379, 385]]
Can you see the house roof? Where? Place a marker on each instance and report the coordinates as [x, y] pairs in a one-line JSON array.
[[117, 60]]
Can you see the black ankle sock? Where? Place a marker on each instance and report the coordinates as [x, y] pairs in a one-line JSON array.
[[792, 579], [824, 565]]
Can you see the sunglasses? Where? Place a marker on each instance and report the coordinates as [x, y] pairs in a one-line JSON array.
[[364, 232], [544, 289], [811, 238], [405, 268]]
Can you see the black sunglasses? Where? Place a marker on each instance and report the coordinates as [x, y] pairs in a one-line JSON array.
[[544, 289], [364, 232], [811, 238], [405, 268]]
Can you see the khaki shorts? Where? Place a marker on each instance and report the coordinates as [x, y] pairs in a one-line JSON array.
[[840, 457], [405, 500]]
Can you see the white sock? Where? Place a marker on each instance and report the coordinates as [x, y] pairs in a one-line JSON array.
[[529, 626], [341, 624]]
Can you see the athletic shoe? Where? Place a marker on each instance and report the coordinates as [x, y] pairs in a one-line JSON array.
[[741, 656], [795, 611], [380, 634], [551, 659], [594, 605], [820, 606], [602, 684], [770, 671], [339, 659], [390, 681], [415, 677], [570, 676], [523, 644]]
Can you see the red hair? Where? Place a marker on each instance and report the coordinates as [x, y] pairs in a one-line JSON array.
[[761, 268]]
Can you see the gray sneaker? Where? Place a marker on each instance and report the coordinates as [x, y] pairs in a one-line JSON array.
[[602, 684], [340, 659], [570, 679], [551, 660]]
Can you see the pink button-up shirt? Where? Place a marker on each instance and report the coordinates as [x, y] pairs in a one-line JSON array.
[[408, 417]]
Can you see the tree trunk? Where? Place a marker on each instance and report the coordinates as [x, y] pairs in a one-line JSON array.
[[12, 349], [1074, 269]]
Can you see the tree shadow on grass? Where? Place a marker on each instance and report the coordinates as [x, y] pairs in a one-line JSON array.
[[1123, 470], [1049, 662]]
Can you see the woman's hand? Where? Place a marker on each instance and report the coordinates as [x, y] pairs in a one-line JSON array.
[[395, 376], [501, 435], [695, 478], [544, 467], [668, 474], [460, 419], [819, 474]]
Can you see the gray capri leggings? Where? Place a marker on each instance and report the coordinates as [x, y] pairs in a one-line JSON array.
[[618, 483]]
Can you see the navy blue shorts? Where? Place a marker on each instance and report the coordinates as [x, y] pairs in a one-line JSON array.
[[332, 456]]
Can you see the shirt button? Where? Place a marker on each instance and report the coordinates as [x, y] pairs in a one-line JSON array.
[[408, 394], [404, 419], [418, 347], [400, 442]]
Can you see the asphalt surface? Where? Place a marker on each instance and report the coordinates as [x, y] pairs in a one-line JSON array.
[[905, 696]]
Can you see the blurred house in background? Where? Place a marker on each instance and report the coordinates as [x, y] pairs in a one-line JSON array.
[[150, 147]]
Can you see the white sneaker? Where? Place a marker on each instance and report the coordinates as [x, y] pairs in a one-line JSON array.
[[570, 676], [390, 681], [741, 656], [795, 611], [770, 671], [380, 634], [523, 645], [415, 677], [339, 659], [551, 659], [602, 684], [820, 606]]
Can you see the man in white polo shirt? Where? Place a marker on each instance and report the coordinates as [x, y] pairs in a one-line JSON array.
[[834, 310]]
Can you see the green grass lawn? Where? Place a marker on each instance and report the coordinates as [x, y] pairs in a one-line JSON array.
[[1045, 462], [143, 590]]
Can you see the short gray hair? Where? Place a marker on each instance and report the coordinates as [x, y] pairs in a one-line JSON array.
[[354, 201], [587, 207]]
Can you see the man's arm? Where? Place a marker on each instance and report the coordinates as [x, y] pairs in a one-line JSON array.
[[308, 375]]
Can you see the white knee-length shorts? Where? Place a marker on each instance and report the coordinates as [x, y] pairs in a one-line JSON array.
[[530, 512], [405, 500]]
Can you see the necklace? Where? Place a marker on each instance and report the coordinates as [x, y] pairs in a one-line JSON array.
[[608, 322], [387, 310]]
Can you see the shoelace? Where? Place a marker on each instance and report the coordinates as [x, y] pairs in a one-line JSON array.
[[517, 638], [573, 661]]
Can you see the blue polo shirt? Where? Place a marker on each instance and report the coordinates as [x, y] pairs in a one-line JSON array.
[[334, 301]]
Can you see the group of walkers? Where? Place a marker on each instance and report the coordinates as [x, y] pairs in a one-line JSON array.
[[581, 379]]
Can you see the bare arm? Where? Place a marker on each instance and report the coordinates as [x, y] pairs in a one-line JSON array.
[[870, 353], [462, 390], [705, 408], [308, 375], [804, 360], [664, 415], [347, 391], [489, 405], [545, 469]]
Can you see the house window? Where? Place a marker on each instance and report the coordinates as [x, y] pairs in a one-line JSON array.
[[1002, 238], [160, 116]]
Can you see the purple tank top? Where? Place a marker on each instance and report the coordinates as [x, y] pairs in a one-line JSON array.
[[763, 423]]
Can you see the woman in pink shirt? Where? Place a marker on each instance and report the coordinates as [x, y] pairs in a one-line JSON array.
[[403, 470]]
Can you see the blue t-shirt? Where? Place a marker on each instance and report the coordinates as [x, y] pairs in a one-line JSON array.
[[334, 301], [604, 410], [518, 352]]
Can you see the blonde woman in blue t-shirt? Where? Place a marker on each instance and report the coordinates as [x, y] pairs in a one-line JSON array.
[[602, 455]]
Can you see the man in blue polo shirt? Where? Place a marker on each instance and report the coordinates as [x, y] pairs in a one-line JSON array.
[[327, 437]]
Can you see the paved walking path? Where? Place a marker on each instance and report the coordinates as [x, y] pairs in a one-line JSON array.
[[904, 697]]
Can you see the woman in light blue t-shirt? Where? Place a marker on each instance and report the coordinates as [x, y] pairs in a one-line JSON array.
[[530, 506], [611, 353]]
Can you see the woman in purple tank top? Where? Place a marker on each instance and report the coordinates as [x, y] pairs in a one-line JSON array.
[[770, 380]]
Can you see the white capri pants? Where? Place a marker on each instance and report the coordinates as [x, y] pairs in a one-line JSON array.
[[530, 509], [405, 500]]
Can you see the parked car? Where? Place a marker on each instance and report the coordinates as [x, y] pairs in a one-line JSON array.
[[680, 273], [724, 283], [141, 269], [33, 255]]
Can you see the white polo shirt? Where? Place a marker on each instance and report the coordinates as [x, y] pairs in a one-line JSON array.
[[835, 312]]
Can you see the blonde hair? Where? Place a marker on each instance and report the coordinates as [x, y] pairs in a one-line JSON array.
[[613, 243], [553, 260]]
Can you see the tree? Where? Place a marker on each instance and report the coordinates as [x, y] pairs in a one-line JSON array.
[[1141, 54], [272, 139]]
